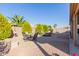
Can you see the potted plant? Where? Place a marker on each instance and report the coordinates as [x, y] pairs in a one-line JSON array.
[[17, 22], [5, 34]]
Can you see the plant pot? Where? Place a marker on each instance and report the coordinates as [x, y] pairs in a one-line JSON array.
[[5, 46], [17, 31]]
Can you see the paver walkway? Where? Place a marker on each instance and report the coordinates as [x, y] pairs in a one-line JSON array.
[[29, 49], [43, 46]]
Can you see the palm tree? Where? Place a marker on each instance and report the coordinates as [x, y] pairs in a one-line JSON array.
[[18, 20]]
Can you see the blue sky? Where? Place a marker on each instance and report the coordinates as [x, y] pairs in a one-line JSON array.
[[50, 14]]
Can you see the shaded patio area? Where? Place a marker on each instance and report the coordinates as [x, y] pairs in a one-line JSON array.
[[59, 41]]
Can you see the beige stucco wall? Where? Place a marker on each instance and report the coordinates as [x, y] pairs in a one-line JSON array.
[[61, 30]]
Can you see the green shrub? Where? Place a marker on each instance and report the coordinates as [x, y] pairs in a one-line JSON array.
[[5, 27], [45, 28], [26, 27]]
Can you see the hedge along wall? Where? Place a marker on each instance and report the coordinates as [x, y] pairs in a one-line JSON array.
[[5, 27]]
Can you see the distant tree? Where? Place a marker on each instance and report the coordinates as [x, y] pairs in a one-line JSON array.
[[50, 28], [17, 20], [26, 27], [45, 28], [55, 25], [38, 28]]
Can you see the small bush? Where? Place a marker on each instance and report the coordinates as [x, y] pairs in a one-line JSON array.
[[5, 27]]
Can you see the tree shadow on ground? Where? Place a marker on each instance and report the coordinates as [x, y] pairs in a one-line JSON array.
[[58, 40], [42, 50]]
